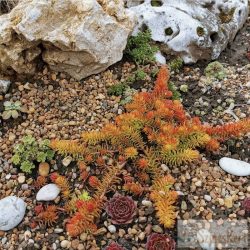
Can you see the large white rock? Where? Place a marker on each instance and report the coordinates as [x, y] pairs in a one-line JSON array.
[[192, 29], [12, 210], [81, 37], [235, 167], [48, 193]]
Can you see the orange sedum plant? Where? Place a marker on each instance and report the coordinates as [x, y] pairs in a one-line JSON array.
[[154, 130]]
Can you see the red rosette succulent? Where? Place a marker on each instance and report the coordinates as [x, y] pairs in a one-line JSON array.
[[121, 209], [114, 246], [246, 204], [160, 242]]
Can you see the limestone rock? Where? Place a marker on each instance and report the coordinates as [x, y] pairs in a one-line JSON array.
[[48, 193], [235, 167], [75, 36], [12, 210], [192, 29]]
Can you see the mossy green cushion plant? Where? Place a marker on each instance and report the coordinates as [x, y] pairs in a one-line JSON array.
[[140, 49], [215, 70], [29, 151], [176, 64]]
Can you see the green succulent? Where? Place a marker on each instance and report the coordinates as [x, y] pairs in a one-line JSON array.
[[117, 89], [176, 64], [12, 109], [84, 196], [140, 49], [29, 151], [140, 75], [173, 89], [215, 70]]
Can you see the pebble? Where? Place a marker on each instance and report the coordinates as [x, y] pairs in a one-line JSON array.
[[228, 201], [65, 244], [12, 210], [235, 167], [141, 236], [198, 183], [207, 197], [21, 179], [4, 86], [66, 161], [147, 203], [112, 229], [48, 193], [157, 229], [44, 169], [58, 230]]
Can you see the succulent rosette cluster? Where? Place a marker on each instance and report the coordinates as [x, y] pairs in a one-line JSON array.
[[246, 204], [121, 209], [160, 242], [114, 246]]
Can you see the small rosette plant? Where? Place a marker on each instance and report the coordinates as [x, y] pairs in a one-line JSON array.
[[246, 204], [12, 109], [121, 209], [160, 242], [114, 246], [29, 151]]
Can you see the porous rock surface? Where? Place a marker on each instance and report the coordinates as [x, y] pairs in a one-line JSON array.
[[75, 36], [192, 29], [12, 210]]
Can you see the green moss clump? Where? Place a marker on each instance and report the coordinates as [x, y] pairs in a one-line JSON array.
[[140, 49], [176, 64], [29, 151], [173, 89], [215, 70], [117, 89]]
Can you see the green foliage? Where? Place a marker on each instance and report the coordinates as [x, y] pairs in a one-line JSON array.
[[84, 196], [117, 89], [140, 75], [215, 70], [128, 96], [176, 64], [12, 109], [29, 151], [173, 89], [121, 88], [140, 49]]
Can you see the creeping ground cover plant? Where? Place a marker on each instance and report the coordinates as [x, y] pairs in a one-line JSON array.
[[128, 155]]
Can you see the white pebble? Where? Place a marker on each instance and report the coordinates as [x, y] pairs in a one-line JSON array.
[[147, 203], [65, 244], [48, 193], [112, 229], [235, 167], [207, 197]]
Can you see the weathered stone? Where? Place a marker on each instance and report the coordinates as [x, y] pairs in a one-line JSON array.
[[235, 167], [194, 30], [78, 37], [12, 210], [4, 85], [48, 193]]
